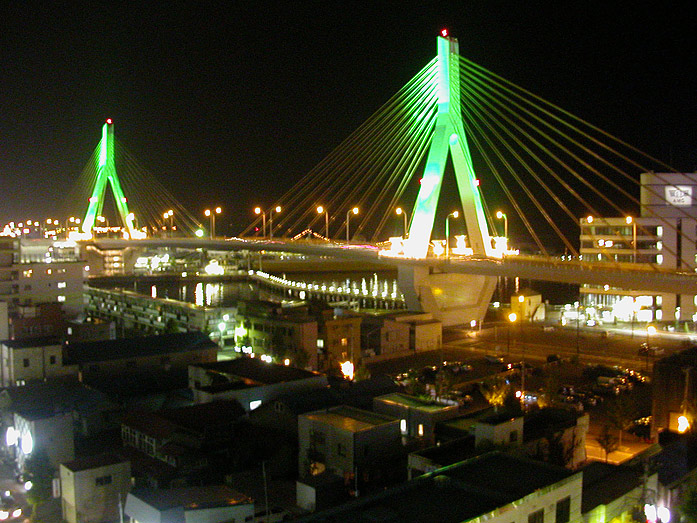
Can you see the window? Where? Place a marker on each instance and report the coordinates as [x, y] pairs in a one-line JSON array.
[[421, 429], [341, 450], [403, 426], [61, 285], [563, 510], [513, 436], [26, 362], [254, 404], [537, 517], [103, 480], [61, 298], [52, 360]]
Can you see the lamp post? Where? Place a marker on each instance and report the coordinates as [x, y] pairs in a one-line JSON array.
[[650, 329], [348, 216], [258, 211], [454, 214], [512, 317], [276, 209], [631, 221], [400, 211], [502, 215], [211, 214], [321, 210]]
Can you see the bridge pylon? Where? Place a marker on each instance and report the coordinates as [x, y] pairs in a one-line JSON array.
[[106, 174], [452, 298]]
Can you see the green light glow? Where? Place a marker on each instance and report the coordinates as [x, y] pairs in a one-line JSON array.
[[449, 135], [106, 173]]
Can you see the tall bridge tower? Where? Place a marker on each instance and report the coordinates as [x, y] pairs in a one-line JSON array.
[[106, 173], [452, 298]]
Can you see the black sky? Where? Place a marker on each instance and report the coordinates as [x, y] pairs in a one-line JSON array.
[[231, 103]]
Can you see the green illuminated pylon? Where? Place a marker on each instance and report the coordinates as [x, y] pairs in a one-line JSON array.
[[449, 134], [106, 173]]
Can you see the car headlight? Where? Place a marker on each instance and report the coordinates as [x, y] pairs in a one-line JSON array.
[[17, 513], [4, 514]]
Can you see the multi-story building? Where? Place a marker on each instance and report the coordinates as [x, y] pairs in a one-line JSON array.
[[94, 488], [664, 234], [343, 441], [41, 271], [32, 359]]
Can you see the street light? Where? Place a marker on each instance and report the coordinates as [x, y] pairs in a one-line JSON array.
[[321, 210], [169, 214], [512, 317], [276, 209], [632, 222], [348, 216], [447, 232], [401, 211], [258, 211], [211, 214], [502, 215]]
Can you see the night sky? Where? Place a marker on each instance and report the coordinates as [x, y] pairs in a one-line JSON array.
[[231, 105]]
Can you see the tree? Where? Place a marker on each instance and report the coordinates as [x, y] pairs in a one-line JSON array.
[[622, 412], [688, 507], [495, 391], [607, 441], [38, 469]]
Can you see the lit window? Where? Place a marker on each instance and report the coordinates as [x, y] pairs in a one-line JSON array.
[[659, 259], [61, 285], [61, 298], [403, 426], [49, 271], [254, 404], [659, 231], [344, 342], [28, 273]]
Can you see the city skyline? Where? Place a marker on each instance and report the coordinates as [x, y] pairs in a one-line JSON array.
[[231, 106]]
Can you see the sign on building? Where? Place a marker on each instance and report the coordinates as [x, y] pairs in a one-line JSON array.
[[679, 195]]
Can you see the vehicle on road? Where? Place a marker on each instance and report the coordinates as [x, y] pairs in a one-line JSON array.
[[491, 358], [9, 508]]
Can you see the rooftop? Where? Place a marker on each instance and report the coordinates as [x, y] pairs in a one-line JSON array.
[[350, 418], [260, 372], [413, 402], [106, 350], [93, 462], [192, 498], [42, 341], [604, 483], [452, 494]]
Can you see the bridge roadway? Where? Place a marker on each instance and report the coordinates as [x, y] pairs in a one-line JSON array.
[[618, 275]]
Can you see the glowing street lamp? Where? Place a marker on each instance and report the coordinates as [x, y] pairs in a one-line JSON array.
[[321, 210], [169, 214], [512, 317], [211, 213], [258, 211], [347, 369], [631, 221], [401, 211], [502, 216], [276, 209], [348, 215], [447, 232]]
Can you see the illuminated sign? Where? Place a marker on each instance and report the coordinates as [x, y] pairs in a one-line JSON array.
[[679, 195]]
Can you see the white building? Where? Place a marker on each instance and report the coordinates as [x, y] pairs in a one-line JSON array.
[[664, 234], [94, 488], [211, 504], [41, 271], [33, 359]]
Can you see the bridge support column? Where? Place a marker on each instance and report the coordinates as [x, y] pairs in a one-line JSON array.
[[452, 298]]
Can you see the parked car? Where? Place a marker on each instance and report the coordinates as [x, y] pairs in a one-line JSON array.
[[9, 508]]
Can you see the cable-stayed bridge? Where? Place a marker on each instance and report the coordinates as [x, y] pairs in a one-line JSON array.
[[454, 138]]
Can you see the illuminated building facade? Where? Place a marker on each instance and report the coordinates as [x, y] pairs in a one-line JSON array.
[[665, 234]]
